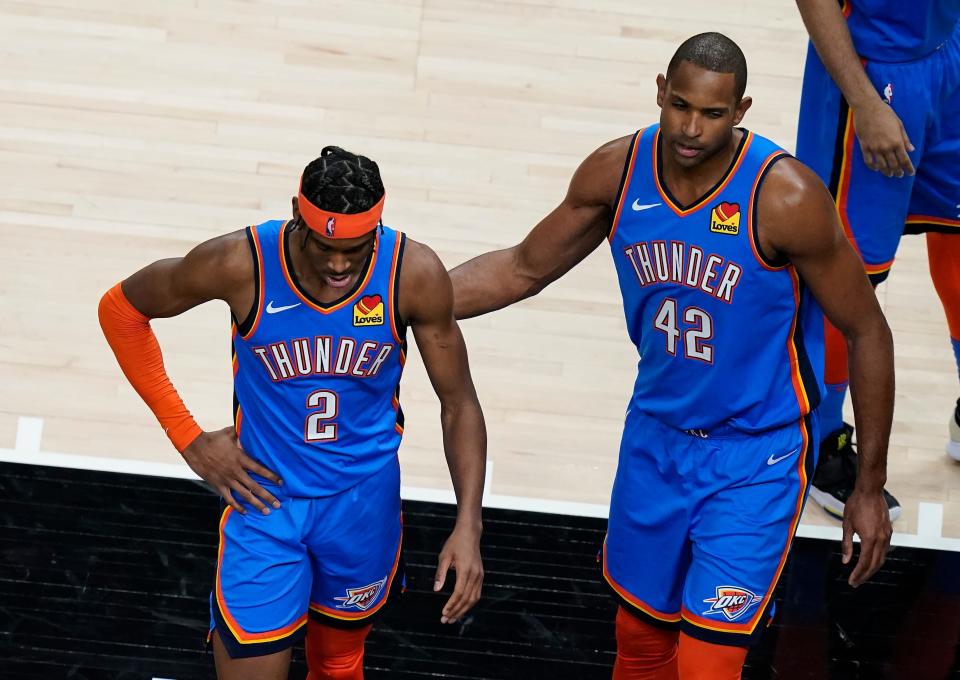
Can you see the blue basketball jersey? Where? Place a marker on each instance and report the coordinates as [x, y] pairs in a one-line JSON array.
[[316, 385], [899, 30], [726, 337]]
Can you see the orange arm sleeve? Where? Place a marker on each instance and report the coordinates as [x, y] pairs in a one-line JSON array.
[[132, 340]]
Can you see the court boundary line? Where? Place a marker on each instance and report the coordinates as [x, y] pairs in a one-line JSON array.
[[29, 453], [27, 450]]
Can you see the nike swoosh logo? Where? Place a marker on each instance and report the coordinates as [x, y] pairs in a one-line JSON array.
[[636, 205], [773, 461], [273, 310]]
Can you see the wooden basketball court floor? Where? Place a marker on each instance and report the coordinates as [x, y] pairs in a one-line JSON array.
[[131, 131]]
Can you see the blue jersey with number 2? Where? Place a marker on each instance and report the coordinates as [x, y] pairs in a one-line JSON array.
[[316, 385]]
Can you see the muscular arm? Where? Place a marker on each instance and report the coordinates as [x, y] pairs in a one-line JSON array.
[[426, 302], [882, 137], [798, 220], [561, 240], [218, 269]]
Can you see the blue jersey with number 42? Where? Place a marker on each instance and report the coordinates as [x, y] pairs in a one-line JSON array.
[[316, 385], [726, 337]]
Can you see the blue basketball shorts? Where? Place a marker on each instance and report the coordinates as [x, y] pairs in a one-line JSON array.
[[701, 524], [334, 559], [874, 209]]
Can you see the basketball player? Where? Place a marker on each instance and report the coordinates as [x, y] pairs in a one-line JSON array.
[[310, 537], [880, 125], [724, 245]]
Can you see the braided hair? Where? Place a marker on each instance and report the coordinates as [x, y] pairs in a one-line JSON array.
[[342, 182]]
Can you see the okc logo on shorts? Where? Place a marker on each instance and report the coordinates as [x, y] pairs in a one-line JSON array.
[[362, 598], [732, 601], [331, 225], [725, 218], [368, 311]]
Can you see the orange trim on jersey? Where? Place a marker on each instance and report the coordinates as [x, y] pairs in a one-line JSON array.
[[795, 377], [843, 188], [393, 275], [750, 626], [846, 7], [399, 428], [927, 219], [626, 184], [260, 288], [639, 604], [238, 421], [731, 171], [877, 268], [234, 361], [357, 616], [239, 634], [340, 305], [754, 246]]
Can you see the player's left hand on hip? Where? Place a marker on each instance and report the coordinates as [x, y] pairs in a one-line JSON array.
[[866, 515], [461, 553]]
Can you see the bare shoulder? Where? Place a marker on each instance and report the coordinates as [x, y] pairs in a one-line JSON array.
[[795, 211], [597, 179], [224, 263], [425, 288], [790, 182], [421, 265]]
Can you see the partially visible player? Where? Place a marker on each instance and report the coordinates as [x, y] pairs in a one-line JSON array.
[[724, 245], [880, 125], [311, 533]]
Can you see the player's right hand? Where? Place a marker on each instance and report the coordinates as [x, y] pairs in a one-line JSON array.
[[223, 464], [883, 139]]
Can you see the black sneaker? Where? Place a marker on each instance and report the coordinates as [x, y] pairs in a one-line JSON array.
[[836, 474], [953, 443]]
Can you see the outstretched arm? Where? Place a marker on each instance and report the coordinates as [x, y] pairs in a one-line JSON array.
[[561, 240], [218, 269], [883, 139], [798, 220], [427, 303]]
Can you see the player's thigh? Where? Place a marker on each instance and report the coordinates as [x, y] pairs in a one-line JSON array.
[[741, 535], [646, 551], [274, 666], [871, 206], [262, 583], [935, 204], [356, 550]]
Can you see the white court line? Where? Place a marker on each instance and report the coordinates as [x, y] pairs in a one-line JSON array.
[[29, 434], [930, 520], [412, 493], [487, 481]]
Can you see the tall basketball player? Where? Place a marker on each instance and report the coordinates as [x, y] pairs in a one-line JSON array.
[[311, 532], [726, 248]]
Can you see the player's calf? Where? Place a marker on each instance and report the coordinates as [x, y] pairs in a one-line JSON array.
[[335, 653]]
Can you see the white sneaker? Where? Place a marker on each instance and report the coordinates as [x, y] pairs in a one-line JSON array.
[[953, 446]]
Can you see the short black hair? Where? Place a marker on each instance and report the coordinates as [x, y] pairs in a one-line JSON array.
[[714, 52], [342, 182]]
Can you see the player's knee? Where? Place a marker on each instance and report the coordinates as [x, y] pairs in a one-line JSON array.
[[699, 660], [334, 653], [640, 642]]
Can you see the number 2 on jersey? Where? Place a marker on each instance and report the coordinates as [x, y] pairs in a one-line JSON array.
[[316, 429], [694, 338]]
